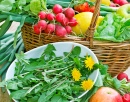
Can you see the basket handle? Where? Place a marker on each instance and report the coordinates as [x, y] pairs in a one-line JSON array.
[[90, 31]]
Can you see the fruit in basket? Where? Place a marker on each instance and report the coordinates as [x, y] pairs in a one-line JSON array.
[[106, 94], [122, 75], [105, 2], [84, 20], [57, 8], [126, 98], [124, 11]]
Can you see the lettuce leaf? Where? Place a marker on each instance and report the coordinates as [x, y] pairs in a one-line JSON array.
[[113, 28]]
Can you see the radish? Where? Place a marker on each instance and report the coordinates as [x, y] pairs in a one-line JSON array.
[[69, 13], [65, 21], [68, 29], [50, 16], [126, 98], [36, 29], [60, 17], [42, 24], [50, 28], [122, 75], [123, 2], [57, 8], [42, 15], [60, 31], [72, 22]]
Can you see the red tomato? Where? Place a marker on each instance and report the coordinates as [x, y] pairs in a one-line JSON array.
[[76, 7], [92, 8], [84, 7]]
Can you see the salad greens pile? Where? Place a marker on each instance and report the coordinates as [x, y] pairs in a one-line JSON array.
[[49, 77], [113, 28]]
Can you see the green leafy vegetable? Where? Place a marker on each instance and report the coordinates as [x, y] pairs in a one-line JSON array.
[[49, 77], [113, 28]]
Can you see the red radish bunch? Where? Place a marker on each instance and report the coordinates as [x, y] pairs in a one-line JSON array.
[[58, 22]]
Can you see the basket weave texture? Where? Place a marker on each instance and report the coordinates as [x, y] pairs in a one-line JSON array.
[[115, 55]]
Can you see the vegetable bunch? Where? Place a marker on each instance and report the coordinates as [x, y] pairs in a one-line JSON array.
[[59, 21], [7, 51]]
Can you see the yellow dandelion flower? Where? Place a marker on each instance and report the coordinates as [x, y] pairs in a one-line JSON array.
[[87, 84], [89, 62], [76, 74]]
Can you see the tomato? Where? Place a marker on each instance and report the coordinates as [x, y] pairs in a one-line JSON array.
[[92, 8], [76, 7], [84, 7]]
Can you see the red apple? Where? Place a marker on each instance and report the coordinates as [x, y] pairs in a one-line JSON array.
[[106, 94]]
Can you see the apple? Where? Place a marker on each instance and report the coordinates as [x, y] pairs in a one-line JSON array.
[[106, 94], [124, 11]]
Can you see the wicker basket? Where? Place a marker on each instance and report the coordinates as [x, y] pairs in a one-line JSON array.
[[115, 55]]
